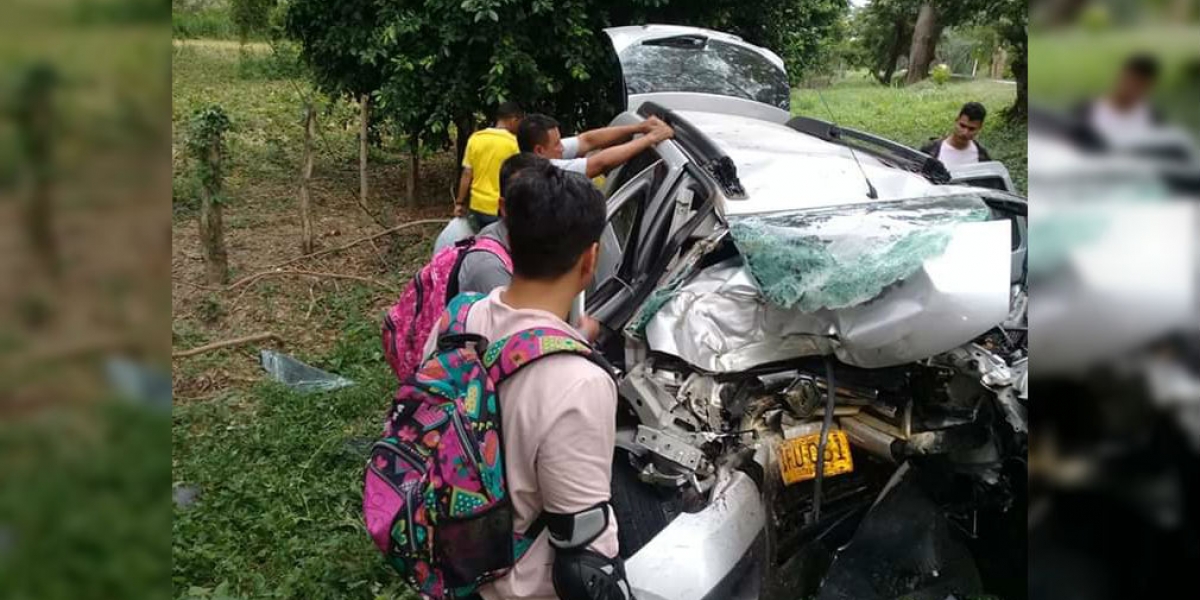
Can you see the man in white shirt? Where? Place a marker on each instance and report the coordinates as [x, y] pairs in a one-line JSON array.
[[960, 147], [593, 152], [1126, 110]]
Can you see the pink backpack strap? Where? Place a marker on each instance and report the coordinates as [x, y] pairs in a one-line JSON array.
[[507, 356]]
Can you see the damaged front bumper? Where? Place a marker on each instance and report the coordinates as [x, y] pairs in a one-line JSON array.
[[704, 553]]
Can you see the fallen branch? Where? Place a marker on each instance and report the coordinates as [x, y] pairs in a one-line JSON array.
[[358, 241], [255, 277], [275, 268], [258, 337]]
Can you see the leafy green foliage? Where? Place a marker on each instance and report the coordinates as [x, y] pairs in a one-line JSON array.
[[250, 17], [940, 74], [206, 134], [108, 457], [882, 32], [208, 23], [434, 63]]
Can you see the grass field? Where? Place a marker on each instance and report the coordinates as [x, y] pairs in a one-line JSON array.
[[278, 473], [914, 114]]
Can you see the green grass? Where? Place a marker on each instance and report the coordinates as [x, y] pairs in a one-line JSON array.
[[82, 511], [212, 23], [279, 475], [912, 115]]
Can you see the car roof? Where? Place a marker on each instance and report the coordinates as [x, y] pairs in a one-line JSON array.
[[782, 169]]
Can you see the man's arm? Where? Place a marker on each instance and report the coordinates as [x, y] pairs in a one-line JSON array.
[[464, 190], [611, 158], [608, 136]]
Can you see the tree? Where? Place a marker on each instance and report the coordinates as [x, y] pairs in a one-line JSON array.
[[933, 17], [882, 33], [206, 147], [924, 42], [1011, 20], [338, 42], [250, 16], [437, 65]]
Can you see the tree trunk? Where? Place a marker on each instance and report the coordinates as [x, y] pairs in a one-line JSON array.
[[1019, 111], [306, 241], [1181, 11], [212, 236], [999, 61], [39, 223], [974, 68], [894, 53], [465, 127], [414, 154], [924, 43], [365, 105]]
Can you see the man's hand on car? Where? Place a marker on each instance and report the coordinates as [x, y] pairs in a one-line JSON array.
[[589, 327], [660, 132]]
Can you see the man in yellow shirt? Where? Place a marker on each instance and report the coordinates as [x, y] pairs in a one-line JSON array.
[[487, 149]]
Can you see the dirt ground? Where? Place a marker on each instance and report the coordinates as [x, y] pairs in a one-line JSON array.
[[304, 311]]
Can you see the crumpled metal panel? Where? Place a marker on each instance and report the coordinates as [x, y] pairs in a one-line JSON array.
[[719, 321]]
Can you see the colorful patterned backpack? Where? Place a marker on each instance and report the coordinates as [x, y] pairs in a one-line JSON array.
[[434, 495], [407, 322]]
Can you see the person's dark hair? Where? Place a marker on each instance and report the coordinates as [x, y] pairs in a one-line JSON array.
[[516, 163], [973, 110], [508, 110], [553, 217], [1142, 65], [533, 131]]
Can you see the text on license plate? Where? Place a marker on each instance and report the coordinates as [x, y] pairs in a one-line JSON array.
[[798, 457]]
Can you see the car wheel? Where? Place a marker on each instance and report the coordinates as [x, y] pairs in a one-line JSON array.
[[642, 510]]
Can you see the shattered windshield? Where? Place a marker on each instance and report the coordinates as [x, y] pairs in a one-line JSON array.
[[713, 68], [843, 256]]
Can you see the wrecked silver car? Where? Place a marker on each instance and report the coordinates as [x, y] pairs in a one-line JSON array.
[[821, 341]]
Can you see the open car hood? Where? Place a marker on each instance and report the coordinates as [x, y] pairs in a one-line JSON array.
[[659, 59]]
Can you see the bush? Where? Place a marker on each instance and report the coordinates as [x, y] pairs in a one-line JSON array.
[[940, 74], [281, 62], [1096, 18], [202, 24]]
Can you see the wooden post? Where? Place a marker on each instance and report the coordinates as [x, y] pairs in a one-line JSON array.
[[365, 105], [414, 154], [306, 242], [35, 120], [212, 235]]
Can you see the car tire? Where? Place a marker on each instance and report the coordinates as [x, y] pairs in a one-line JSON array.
[[642, 510]]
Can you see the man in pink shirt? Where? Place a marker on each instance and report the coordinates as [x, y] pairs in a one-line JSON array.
[[559, 414]]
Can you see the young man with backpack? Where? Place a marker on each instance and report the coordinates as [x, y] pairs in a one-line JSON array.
[[461, 509], [478, 263]]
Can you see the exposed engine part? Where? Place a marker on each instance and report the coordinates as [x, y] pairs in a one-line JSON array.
[[651, 394], [869, 438], [670, 447], [996, 375], [702, 395]]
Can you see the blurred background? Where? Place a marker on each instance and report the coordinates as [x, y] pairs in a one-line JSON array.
[[1114, 180], [85, 299]]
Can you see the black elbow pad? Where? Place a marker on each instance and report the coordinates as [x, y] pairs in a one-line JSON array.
[[580, 573]]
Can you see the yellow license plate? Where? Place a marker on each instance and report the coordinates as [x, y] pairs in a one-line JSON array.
[[798, 457]]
